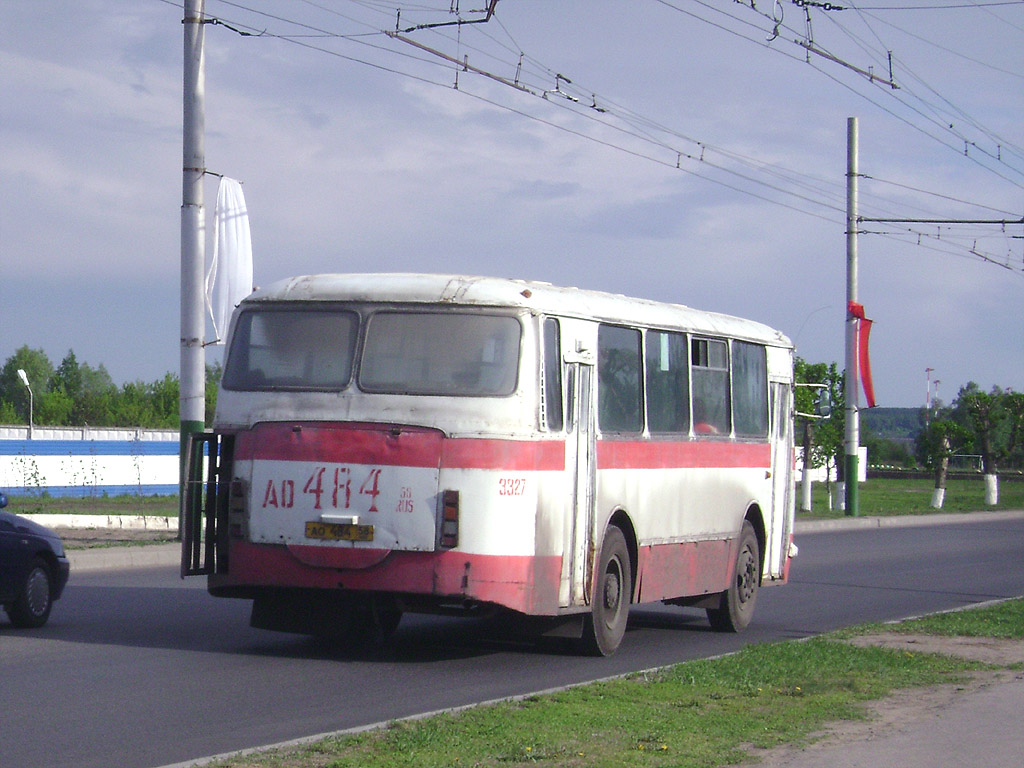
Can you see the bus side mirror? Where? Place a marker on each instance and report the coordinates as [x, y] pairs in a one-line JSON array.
[[823, 407]]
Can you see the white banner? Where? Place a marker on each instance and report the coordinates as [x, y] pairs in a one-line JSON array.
[[229, 279]]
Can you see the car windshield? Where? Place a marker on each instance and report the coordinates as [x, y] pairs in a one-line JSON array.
[[440, 353], [292, 349]]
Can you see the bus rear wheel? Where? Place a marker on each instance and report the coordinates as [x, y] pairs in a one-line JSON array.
[[736, 608], [605, 626]]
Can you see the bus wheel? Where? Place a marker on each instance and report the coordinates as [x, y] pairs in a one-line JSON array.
[[604, 627], [383, 614], [358, 622], [736, 608]]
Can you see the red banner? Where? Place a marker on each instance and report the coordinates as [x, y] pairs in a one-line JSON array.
[[863, 359]]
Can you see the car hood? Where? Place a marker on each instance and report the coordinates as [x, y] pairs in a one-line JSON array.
[[28, 526]]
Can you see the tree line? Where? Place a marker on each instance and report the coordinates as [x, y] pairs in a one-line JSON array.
[[74, 394], [987, 427]]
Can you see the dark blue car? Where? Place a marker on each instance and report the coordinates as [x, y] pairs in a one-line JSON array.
[[33, 569]]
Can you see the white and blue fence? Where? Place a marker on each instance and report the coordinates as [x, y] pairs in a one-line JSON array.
[[84, 462]]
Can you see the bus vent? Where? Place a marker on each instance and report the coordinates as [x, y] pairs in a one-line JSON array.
[[204, 525]]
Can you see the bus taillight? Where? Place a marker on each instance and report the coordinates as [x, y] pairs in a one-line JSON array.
[[450, 519]]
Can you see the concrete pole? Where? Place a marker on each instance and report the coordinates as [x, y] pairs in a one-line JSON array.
[[850, 387], [192, 403]]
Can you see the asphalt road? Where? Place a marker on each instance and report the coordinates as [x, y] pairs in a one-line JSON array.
[[139, 669]]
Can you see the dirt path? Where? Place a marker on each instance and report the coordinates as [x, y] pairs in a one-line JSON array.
[[91, 538], [908, 707]]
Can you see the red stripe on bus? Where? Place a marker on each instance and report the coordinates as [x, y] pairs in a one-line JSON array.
[[340, 443], [406, 447], [687, 568], [520, 582], [421, 447], [700, 454], [514, 455]]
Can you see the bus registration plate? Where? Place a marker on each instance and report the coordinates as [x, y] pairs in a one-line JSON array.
[[339, 531]]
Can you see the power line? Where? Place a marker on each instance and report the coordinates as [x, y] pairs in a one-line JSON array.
[[654, 141]]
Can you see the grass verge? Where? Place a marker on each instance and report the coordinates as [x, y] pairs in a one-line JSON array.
[[703, 713], [912, 496], [163, 506]]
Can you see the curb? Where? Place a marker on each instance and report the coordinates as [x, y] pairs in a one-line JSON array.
[[904, 521], [121, 557], [125, 522]]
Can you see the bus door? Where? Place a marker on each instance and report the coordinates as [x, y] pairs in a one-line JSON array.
[[580, 447], [780, 524]]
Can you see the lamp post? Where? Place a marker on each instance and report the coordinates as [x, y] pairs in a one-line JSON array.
[[24, 378]]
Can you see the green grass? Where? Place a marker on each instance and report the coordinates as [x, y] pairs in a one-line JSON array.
[[910, 496], [166, 506], [1003, 620], [702, 713]]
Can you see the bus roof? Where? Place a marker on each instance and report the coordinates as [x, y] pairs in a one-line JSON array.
[[466, 290]]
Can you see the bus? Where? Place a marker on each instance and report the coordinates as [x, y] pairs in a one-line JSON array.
[[391, 443]]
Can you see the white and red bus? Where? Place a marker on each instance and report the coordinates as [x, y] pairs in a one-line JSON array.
[[399, 442]]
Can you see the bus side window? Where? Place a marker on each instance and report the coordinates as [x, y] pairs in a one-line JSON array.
[[620, 391], [552, 391], [750, 389], [710, 376], [668, 389]]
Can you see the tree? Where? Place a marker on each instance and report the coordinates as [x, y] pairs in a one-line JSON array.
[[38, 369], [214, 373], [97, 397], [983, 413], [1014, 405], [68, 376], [822, 438], [936, 444]]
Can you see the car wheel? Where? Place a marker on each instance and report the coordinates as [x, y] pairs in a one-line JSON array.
[[32, 606]]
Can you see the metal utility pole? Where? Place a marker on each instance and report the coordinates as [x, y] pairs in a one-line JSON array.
[[852, 438], [192, 402]]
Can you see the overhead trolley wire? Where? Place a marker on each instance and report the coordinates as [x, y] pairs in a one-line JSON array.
[[654, 142]]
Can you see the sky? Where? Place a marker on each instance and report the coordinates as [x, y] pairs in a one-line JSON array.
[[687, 151]]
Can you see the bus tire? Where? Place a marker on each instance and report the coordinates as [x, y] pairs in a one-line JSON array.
[[736, 608], [378, 617], [361, 621], [605, 626]]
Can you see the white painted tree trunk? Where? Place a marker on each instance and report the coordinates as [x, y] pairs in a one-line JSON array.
[[991, 490], [805, 492], [837, 499], [938, 496]]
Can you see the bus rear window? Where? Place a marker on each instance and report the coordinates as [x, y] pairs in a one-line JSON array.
[[440, 353], [292, 349]]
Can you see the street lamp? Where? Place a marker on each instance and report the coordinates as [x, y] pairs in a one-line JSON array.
[[24, 378]]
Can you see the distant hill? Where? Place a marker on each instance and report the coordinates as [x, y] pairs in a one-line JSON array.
[[892, 423]]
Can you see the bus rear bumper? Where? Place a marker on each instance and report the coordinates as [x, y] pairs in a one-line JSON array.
[[529, 585]]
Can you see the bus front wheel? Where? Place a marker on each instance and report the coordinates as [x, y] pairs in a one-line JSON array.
[[736, 608], [605, 626]]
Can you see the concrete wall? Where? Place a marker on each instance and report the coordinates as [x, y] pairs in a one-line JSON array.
[[66, 461]]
